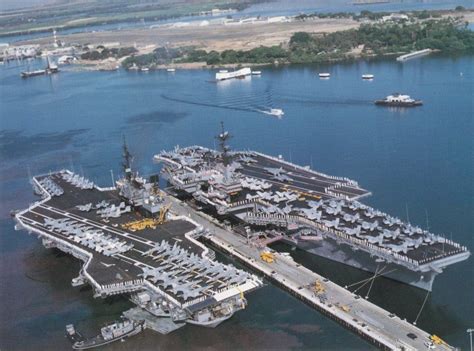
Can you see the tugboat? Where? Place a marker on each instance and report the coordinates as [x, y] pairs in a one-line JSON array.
[[110, 333], [399, 100], [73, 335]]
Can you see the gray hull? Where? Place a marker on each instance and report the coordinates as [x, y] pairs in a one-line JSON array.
[[330, 249]]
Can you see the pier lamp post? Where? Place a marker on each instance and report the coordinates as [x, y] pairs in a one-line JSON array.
[[470, 330]]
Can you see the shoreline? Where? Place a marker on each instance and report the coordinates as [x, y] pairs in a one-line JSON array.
[[84, 66], [221, 36]]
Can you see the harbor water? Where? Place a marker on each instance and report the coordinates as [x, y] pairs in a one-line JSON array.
[[418, 162]]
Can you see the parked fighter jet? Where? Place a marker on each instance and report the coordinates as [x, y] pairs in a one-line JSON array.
[[188, 290], [389, 220], [282, 178], [287, 209], [398, 248], [271, 209], [333, 204], [85, 208], [101, 204], [286, 195], [312, 214], [375, 239], [355, 205], [265, 195], [169, 282], [277, 197], [236, 280], [251, 197], [370, 226], [334, 210], [351, 218], [157, 247], [332, 224], [274, 171], [246, 159], [51, 187], [315, 204], [353, 231], [57, 223]]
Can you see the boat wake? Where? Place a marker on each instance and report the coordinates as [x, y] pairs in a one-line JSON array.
[[233, 104], [274, 112], [311, 101]]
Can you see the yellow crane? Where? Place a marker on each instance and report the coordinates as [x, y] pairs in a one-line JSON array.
[[437, 340], [151, 223], [319, 287], [267, 257], [345, 308], [163, 211], [342, 307]]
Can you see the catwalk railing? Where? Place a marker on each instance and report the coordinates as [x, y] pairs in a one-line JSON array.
[[364, 243]]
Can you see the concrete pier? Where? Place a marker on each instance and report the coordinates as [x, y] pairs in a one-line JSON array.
[[376, 325]]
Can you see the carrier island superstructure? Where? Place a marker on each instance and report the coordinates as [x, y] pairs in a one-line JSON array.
[[132, 243], [269, 199]]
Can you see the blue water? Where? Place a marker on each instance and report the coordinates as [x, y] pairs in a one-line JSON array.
[[294, 7], [419, 158], [272, 8], [105, 27]]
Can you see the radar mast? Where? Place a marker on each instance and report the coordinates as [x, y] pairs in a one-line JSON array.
[[127, 160], [223, 137]]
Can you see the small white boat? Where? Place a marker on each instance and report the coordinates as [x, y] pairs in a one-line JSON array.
[[171, 70], [277, 112], [145, 69], [324, 75], [256, 73], [367, 76], [223, 71]]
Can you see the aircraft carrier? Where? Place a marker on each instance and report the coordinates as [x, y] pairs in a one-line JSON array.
[[133, 244], [267, 199]]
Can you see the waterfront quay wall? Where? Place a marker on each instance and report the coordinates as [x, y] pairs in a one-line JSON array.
[[275, 279]]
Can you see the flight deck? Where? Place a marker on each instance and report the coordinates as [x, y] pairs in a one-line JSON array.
[[319, 213]]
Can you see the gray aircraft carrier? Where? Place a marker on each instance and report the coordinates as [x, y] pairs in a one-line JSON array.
[[132, 243], [139, 241], [272, 199]]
